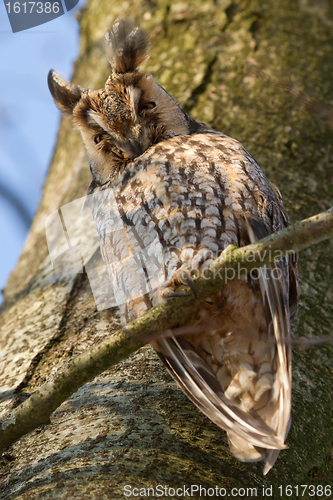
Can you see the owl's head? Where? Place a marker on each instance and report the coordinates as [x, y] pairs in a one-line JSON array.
[[132, 113]]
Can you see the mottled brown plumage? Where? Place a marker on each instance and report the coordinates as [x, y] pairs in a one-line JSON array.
[[195, 191]]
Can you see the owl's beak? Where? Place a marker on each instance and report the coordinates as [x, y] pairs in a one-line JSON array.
[[132, 149]]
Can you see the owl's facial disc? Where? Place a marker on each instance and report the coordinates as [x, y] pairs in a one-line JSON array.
[[122, 121]]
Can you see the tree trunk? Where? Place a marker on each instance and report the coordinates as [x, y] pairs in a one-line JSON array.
[[260, 72]]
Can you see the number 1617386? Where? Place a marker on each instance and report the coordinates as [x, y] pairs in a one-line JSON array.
[[30, 7], [309, 489]]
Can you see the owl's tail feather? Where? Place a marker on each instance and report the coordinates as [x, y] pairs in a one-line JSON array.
[[201, 386]]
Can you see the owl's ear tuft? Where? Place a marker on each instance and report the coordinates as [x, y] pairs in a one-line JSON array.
[[127, 46], [65, 95]]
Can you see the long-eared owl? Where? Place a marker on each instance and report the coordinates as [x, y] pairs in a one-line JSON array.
[[195, 190]]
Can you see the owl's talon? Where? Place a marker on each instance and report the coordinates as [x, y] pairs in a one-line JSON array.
[[187, 280]]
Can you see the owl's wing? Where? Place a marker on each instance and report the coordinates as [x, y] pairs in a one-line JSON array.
[[251, 436], [274, 291], [294, 290], [201, 386]]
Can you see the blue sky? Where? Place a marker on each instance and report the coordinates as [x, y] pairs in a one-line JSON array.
[[29, 120]]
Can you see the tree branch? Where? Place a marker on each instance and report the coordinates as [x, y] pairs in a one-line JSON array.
[[37, 409]]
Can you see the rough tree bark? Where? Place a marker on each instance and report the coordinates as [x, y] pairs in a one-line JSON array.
[[260, 72]]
